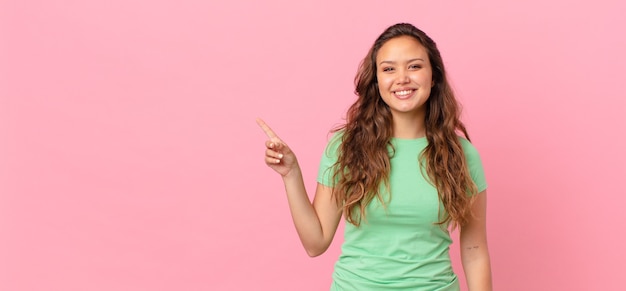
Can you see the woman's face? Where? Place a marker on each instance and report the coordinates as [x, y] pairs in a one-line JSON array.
[[404, 75]]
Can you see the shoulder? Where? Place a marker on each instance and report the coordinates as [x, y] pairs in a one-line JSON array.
[[472, 157], [334, 142], [328, 160], [474, 164], [469, 149]]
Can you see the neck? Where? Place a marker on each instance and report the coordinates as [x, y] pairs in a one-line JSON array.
[[409, 126]]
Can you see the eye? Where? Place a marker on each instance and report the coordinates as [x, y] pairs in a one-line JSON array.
[[415, 67], [387, 69]]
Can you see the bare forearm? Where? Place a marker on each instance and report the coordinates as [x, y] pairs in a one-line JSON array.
[[477, 267], [303, 213], [474, 251]]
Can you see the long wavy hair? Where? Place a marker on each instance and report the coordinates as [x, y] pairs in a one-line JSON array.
[[363, 164]]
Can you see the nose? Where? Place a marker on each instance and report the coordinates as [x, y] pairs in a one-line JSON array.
[[403, 77]]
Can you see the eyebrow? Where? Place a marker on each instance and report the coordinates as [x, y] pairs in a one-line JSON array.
[[409, 61]]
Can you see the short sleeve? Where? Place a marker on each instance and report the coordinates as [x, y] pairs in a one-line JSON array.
[[329, 158], [474, 165]]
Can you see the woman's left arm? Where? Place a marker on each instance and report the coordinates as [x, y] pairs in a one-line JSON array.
[[474, 251]]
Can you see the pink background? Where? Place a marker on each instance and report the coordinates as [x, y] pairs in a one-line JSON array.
[[130, 159]]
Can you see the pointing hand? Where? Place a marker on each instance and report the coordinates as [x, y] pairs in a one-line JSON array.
[[278, 155]]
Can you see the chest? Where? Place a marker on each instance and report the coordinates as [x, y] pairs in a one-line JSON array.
[[410, 198]]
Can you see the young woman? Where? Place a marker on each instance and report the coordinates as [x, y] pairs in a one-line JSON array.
[[398, 173]]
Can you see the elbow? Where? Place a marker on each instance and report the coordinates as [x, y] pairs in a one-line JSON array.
[[481, 258], [313, 254], [315, 251]]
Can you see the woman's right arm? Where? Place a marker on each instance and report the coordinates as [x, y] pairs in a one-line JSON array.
[[316, 223]]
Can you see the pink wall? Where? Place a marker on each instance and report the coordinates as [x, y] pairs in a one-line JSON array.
[[130, 159]]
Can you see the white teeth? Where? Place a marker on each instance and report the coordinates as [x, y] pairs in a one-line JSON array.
[[404, 92]]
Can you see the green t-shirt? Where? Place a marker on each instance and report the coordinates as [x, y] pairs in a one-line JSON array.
[[400, 247]]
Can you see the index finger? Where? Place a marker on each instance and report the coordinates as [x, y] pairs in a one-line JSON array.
[[268, 131]]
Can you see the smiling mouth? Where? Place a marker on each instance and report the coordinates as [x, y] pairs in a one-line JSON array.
[[404, 93]]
